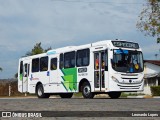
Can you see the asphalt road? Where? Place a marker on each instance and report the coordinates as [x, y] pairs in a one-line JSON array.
[[79, 104]]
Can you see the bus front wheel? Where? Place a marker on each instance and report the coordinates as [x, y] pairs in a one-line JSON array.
[[40, 92], [114, 95], [86, 90]]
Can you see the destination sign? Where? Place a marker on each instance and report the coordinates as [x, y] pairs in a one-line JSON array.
[[125, 44]]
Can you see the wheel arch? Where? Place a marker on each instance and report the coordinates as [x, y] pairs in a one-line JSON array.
[[38, 83], [81, 83]]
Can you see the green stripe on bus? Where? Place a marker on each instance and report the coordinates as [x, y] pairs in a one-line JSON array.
[[70, 78], [21, 77], [64, 86]]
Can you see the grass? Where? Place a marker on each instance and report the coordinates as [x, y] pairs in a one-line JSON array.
[[123, 94], [79, 94]]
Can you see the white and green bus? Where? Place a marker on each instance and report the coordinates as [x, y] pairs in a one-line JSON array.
[[104, 67]]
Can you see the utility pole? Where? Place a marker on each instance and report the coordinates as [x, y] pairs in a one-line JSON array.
[[9, 89]]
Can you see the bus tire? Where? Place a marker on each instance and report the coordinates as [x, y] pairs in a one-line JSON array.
[[114, 95], [40, 92], [66, 95], [86, 90]]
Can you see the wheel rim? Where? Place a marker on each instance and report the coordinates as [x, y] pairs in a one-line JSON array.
[[40, 92], [86, 90]]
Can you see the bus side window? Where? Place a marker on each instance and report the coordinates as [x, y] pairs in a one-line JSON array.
[[54, 64], [61, 63], [43, 63], [69, 60], [82, 57], [35, 65]]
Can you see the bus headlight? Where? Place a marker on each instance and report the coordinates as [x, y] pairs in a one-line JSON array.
[[114, 79]]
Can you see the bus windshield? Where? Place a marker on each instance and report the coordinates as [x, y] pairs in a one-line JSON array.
[[127, 61]]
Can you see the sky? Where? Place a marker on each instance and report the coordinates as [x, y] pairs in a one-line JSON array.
[[60, 23]]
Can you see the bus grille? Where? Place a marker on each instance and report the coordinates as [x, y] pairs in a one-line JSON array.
[[129, 87], [129, 76]]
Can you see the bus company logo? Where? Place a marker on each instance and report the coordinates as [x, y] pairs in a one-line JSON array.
[[6, 114], [33, 78]]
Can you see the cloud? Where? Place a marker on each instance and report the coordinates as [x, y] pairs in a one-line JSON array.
[[62, 23]]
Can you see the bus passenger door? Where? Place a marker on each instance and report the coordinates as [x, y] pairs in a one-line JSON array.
[[99, 70], [53, 72], [26, 68]]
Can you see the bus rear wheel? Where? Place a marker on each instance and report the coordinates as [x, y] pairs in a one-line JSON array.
[[40, 92], [86, 90], [66, 95], [114, 95]]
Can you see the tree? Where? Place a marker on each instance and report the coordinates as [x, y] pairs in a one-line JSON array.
[[16, 75], [37, 50], [1, 69], [149, 19]]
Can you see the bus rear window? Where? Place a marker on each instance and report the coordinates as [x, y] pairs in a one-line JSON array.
[[21, 67]]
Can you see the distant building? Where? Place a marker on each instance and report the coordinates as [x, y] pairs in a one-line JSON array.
[[151, 74]]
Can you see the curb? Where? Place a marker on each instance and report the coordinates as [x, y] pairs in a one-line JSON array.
[[135, 97], [156, 97], [146, 97]]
